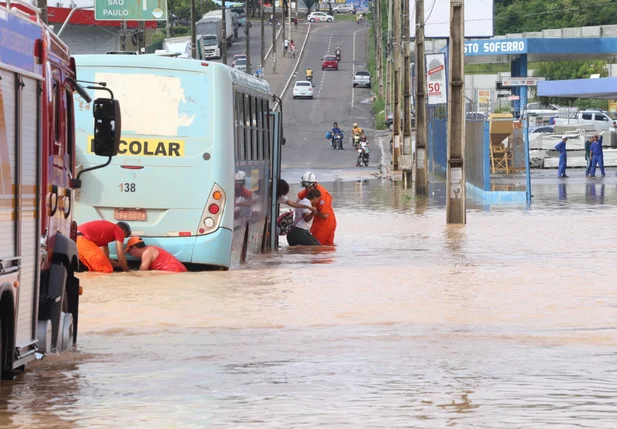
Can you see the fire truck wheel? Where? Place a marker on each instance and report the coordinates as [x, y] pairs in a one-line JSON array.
[[43, 331], [65, 336]]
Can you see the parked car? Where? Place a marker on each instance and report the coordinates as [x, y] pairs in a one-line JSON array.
[[320, 17], [303, 88], [390, 120], [329, 62], [344, 8], [544, 129], [362, 78]]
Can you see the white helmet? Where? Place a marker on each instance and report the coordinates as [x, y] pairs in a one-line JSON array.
[[240, 176], [308, 179]]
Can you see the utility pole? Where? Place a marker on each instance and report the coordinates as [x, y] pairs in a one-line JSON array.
[[41, 4], [246, 32], [455, 178], [289, 20], [396, 31], [167, 29], [224, 41], [421, 126], [274, 36], [283, 24], [378, 46], [263, 36], [389, 71], [407, 88], [141, 38], [193, 31], [123, 37]]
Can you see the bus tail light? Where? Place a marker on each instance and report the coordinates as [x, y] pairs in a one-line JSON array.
[[213, 211]]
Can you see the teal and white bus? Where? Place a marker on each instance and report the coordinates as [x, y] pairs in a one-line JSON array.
[[196, 160]]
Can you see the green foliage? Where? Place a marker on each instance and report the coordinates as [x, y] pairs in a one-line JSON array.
[[516, 16]]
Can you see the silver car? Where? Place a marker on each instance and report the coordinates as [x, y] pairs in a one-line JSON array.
[[240, 64], [303, 89], [362, 78], [344, 8]]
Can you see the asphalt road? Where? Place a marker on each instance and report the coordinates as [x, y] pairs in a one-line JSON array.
[[306, 120]]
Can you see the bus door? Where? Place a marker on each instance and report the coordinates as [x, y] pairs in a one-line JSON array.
[[276, 132]]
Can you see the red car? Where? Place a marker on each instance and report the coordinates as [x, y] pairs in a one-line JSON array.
[[329, 62]]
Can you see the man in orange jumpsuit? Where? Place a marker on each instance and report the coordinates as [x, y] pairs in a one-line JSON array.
[[93, 240], [324, 224], [152, 257]]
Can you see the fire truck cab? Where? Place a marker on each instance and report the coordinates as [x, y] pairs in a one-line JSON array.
[[39, 294]]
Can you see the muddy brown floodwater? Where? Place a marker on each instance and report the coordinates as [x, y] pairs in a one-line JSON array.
[[508, 322]]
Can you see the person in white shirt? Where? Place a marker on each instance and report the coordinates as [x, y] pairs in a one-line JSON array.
[[285, 46], [300, 234], [282, 189]]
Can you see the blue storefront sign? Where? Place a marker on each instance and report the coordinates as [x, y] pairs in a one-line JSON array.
[[496, 47]]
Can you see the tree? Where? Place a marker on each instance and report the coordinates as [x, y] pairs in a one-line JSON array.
[[310, 4]]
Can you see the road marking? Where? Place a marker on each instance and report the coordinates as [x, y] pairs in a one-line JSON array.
[[353, 66], [294, 72]]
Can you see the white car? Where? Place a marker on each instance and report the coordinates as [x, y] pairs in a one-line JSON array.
[[303, 88], [240, 64], [344, 8], [320, 17]]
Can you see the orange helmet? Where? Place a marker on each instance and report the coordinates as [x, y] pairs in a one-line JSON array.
[[132, 241]]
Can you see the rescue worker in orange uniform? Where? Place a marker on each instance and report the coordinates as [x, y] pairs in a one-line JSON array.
[[93, 240], [152, 257], [324, 224]]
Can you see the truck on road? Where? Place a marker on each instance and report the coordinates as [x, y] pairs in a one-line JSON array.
[[229, 24], [39, 293], [210, 37]]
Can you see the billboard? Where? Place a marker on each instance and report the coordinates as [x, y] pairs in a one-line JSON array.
[[478, 18], [436, 79]]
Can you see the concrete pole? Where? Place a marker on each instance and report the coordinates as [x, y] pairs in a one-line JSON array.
[[421, 125], [283, 28], [289, 20], [396, 32], [167, 29], [193, 30], [456, 207], [406, 88], [247, 47], [263, 36], [378, 47], [41, 4], [389, 71], [224, 41], [273, 36]]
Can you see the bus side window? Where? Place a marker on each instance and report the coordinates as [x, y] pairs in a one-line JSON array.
[[240, 127], [256, 152], [260, 136], [247, 128]]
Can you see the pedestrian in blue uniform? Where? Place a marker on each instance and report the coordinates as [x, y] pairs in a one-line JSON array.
[[597, 156], [563, 157]]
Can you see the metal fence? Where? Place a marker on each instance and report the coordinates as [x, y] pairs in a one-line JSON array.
[[477, 157]]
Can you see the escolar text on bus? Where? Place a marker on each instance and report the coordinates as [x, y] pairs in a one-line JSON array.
[[146, 147]]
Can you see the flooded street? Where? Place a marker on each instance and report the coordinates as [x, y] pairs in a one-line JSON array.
[[407, 323]]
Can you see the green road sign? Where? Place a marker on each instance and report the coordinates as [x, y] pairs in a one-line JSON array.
[[130, 10]]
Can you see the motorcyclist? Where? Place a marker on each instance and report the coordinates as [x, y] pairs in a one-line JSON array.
[[309, 74], [364, 146], [338, 52], [336, 130], [356, 131]]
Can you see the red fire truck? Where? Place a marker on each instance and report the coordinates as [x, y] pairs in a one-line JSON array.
[[39, 294]]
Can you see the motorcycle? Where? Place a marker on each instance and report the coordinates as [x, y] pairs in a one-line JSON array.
[[337, 141], [338, 56], [363, 156]]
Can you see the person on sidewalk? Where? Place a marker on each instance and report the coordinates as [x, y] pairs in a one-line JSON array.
[[563, 157], [93, 240], [300, 234], [152, 257], [285, 46], [324, 227], [597, 156], [588, 143]]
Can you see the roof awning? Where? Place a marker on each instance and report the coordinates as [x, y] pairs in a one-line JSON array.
[[602, 88]]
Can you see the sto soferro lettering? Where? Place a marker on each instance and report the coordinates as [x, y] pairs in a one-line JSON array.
[[146, 148]]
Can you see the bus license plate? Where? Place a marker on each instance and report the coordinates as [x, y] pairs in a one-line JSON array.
[[131, 215]]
